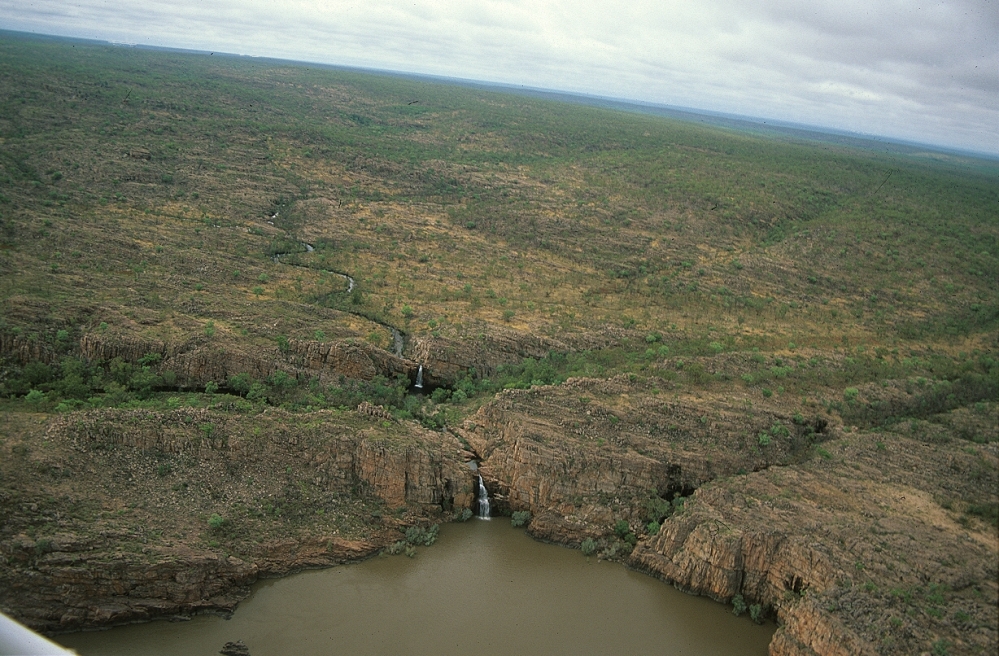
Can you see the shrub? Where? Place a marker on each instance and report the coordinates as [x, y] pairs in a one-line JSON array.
[[396, 548], [462, 515], [588, 547], [621, 528], [756, 613], [763, 439], [216, 521], [240, 383], [652, 528], [420, 535], [779, 430], [520, 518], [738, 605]]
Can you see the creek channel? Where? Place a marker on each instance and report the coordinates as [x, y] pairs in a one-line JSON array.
[[398, 337], [484, 588]]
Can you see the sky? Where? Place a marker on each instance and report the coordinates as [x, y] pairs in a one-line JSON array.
[[926, 72]]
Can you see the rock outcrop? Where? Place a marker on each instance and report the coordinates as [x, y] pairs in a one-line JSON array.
[[850, 552], [581, 455], [448, 360], [177, 512], [198, 360], [840, 537]]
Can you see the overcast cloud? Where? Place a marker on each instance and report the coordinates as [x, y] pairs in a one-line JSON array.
[[921, 71]]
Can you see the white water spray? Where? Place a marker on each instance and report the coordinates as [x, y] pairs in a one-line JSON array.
[[483, 500], [419, 379]]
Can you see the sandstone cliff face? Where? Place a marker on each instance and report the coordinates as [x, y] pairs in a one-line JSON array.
[[83, 582], [198, 360], [581, 455], [446, 360], [847, 551], [848, 547], [130, 493], [24, 350]]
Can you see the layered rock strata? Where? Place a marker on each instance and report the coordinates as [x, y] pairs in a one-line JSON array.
[[113, 516], [856, 543]]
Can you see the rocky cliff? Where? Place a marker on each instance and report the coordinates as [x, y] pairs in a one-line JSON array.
[[123, 515], [198, 360], [856, 543], [581, 455]]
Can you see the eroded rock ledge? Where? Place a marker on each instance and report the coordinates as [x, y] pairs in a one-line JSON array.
[[856, 542], [114, 516], [839, 536]]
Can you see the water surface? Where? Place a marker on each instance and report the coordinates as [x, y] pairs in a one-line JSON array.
[[485, 588]]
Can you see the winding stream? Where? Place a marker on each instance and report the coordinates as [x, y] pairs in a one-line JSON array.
[[485, 589], [398, 337]]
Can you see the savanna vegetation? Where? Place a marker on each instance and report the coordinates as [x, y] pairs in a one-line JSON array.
[[155, 203], [148, 193]]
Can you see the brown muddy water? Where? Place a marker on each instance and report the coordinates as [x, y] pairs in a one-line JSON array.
[[485, 588]]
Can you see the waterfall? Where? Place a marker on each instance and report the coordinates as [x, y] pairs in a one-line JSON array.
[[419, 378], [483, 500]]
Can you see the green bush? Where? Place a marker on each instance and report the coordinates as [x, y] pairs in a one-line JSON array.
[[396, 548], [738, 605], [425, 536], [621, 528], [35, 397], [520, 518], [216, 521], [588, 547], [462, 515], [756, 613]]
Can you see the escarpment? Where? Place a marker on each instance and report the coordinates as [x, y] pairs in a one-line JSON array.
[[856, 543], [197, 360], [447, 360], [177, 512], [852, 551], [580, 455]]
